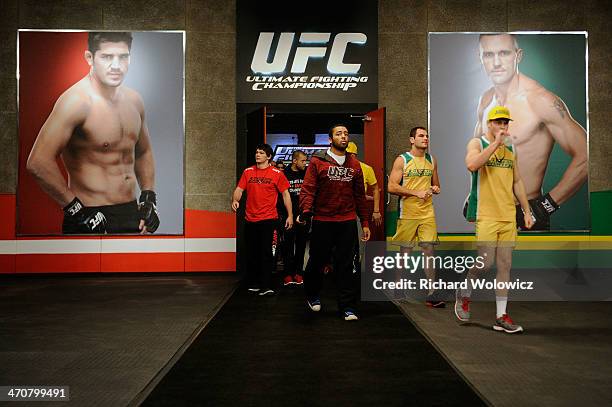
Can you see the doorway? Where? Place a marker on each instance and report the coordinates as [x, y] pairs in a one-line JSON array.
[[287, 127]]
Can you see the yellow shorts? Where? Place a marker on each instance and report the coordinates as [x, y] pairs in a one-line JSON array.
[[495, 233], [411, 230]]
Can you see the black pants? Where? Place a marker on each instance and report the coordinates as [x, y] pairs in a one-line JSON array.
[[294, 248], [259, 252], [337, 240], [120, 218]]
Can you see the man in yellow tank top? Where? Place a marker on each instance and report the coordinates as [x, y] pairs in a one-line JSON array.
[[369, 182], [414, 178], [495, 182]]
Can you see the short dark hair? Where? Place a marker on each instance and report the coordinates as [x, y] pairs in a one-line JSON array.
[[414, 130], [331, 129], [514, 39], [94, 39], [266, 148], [296, 154]]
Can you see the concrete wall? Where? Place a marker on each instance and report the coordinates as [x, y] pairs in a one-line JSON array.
[[210, 66]]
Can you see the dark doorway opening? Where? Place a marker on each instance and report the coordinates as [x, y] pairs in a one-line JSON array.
[[306, 125]]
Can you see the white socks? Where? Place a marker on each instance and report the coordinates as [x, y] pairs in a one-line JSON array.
[[500, 305]]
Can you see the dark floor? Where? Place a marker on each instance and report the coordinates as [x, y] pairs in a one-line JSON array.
[[105, 337], [274, 351], [562, 358], [114, 338]]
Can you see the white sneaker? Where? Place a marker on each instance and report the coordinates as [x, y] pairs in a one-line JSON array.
[[314, 304]]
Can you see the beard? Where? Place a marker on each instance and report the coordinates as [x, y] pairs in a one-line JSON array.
[[339, 147]]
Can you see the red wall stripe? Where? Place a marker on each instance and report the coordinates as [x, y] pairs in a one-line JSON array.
[[7, 214], [7, 263], [198, 224], [210, 262], [118, 262], [145, 262], [57, 263]]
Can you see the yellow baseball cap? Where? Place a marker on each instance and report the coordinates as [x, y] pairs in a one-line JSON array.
[[499, 112], [351, 148]]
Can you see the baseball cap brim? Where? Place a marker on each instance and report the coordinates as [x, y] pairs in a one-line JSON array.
[[500, 116]]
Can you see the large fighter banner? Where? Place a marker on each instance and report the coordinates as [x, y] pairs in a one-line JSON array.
[[101, 133], [542, 79]]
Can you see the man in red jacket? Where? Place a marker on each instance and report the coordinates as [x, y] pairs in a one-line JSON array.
[[333, 195]]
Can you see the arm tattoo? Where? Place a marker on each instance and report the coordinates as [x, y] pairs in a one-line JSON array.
[[560, 106]]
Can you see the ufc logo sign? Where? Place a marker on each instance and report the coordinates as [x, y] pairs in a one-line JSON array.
[[280, 60], [96, 220], [548, 206], [74, 209]]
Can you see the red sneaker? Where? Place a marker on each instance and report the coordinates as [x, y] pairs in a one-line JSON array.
[[462, 307], [288, 280], [506, 324], [298, 279]]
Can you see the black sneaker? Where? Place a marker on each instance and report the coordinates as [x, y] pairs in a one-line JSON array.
[[433, 301], [253, 289], [266, 293]]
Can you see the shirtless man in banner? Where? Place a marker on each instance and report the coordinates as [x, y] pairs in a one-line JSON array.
[[98, 129], [541, 118]]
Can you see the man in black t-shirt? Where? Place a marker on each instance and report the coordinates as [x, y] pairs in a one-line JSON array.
[[295, 239]]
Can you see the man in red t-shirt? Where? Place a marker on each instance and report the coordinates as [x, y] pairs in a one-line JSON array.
[[333, 196], [262, 183]]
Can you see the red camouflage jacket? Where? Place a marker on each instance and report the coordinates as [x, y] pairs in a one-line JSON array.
[[334, 192]]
